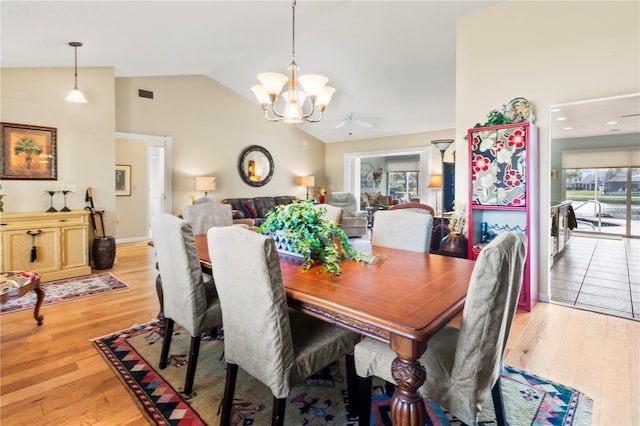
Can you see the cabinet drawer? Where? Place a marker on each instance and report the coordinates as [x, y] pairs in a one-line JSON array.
[[56, 220]]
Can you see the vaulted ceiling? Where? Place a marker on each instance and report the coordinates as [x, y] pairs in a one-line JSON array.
[[392, 62]]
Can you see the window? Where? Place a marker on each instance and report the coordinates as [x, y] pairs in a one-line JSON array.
[[403, 186]]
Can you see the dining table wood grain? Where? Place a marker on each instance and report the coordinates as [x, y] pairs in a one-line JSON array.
[[403, 299]]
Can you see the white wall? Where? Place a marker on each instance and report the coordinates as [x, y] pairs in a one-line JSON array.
[[85, 144], [549, 53]]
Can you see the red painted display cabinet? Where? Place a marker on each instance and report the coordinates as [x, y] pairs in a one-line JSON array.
[[504, 193]]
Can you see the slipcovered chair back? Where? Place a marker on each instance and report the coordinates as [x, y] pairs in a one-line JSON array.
[[332, 213], [416, 207], [206, 215], [402, 229], [345, 200], [492, 301], [463, 365], [185, 300], [254, 305]]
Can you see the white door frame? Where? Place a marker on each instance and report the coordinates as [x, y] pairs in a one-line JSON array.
[[352, 167]]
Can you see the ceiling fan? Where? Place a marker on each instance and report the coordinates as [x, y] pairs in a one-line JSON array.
[[352, 118]]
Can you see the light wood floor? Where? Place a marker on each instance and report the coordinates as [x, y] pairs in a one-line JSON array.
[[52, 375]]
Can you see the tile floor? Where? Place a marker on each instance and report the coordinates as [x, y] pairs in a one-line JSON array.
[[601, 275]]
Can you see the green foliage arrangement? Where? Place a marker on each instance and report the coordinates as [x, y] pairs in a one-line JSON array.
[[495, 118], [313, 237]]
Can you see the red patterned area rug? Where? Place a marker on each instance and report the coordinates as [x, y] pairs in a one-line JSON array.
[[66, 290], [133, 355]]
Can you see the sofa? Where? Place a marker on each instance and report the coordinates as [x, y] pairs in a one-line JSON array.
[[253, 211], [354, 222]]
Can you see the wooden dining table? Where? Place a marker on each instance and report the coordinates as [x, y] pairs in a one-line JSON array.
[[402, 299]]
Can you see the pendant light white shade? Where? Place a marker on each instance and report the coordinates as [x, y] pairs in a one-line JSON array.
[[76, 95], [299, 106]]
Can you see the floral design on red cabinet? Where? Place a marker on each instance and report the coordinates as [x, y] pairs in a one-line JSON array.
[[498, 166]]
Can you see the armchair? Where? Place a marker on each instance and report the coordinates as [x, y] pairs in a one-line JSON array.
[[354, 222]]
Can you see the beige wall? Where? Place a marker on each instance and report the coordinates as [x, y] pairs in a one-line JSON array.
[[85, 143], [131, 211], [549, 53], [210, 126]]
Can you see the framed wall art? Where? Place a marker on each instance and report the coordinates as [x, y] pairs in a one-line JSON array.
[[123, 180], [28, 152]]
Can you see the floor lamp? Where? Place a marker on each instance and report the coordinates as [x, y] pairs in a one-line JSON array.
[[441, 145], [435, 182]]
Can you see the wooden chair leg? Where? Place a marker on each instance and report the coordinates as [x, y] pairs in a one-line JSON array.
[[352, 385], [364, 400], [277, 415], [496, 396], [166, 342], [191, 368], [229, 390]]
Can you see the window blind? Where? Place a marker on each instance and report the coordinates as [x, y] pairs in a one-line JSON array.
[[601, 158]]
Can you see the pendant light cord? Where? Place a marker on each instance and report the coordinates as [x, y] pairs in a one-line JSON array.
[[293, 32]]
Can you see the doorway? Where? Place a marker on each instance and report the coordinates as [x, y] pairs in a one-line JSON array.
[[353, 163], [150, 160]]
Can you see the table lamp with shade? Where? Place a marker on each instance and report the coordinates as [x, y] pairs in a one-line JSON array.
[[206, 184], [307, 181]]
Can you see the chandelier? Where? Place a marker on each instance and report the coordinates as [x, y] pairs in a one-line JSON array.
[[315, 91]]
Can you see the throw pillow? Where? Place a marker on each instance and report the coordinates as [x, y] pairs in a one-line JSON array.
[[251, 210], [383, 200]]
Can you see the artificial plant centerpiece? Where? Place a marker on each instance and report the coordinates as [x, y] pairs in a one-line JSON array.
[[311, 236]]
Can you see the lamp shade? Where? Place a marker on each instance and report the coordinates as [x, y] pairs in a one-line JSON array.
[[76, 96], [435, 181], [442, 144], [306, 180], [205, 183]]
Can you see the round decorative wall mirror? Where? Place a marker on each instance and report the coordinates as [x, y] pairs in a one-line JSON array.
[[255, 166]]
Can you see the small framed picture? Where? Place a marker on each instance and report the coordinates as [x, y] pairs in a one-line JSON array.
[[123, 180], [554, 174], [28, 152]]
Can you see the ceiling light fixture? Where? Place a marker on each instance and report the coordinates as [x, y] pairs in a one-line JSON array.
[[76, 95], [561, 118], [315, 90]]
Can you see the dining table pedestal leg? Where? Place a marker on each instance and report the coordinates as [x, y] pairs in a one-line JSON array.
[[407, 406]]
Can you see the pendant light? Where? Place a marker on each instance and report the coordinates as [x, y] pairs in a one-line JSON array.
[[76, 95], [316, 92]]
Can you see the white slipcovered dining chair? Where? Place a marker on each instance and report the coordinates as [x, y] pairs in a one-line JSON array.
[[203, 216], [402, 229], [277, 346], [463, 365], [187, 299]]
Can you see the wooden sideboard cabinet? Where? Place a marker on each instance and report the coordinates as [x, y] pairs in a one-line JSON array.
[[61, 242]]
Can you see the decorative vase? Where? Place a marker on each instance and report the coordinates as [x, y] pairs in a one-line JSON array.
[[454, 245], [320, 199]]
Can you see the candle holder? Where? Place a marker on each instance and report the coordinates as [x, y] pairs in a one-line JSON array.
[[64, 193], [51, 194]]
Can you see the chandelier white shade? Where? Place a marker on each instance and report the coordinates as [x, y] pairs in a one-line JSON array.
[[299, 106], [76, 95]]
